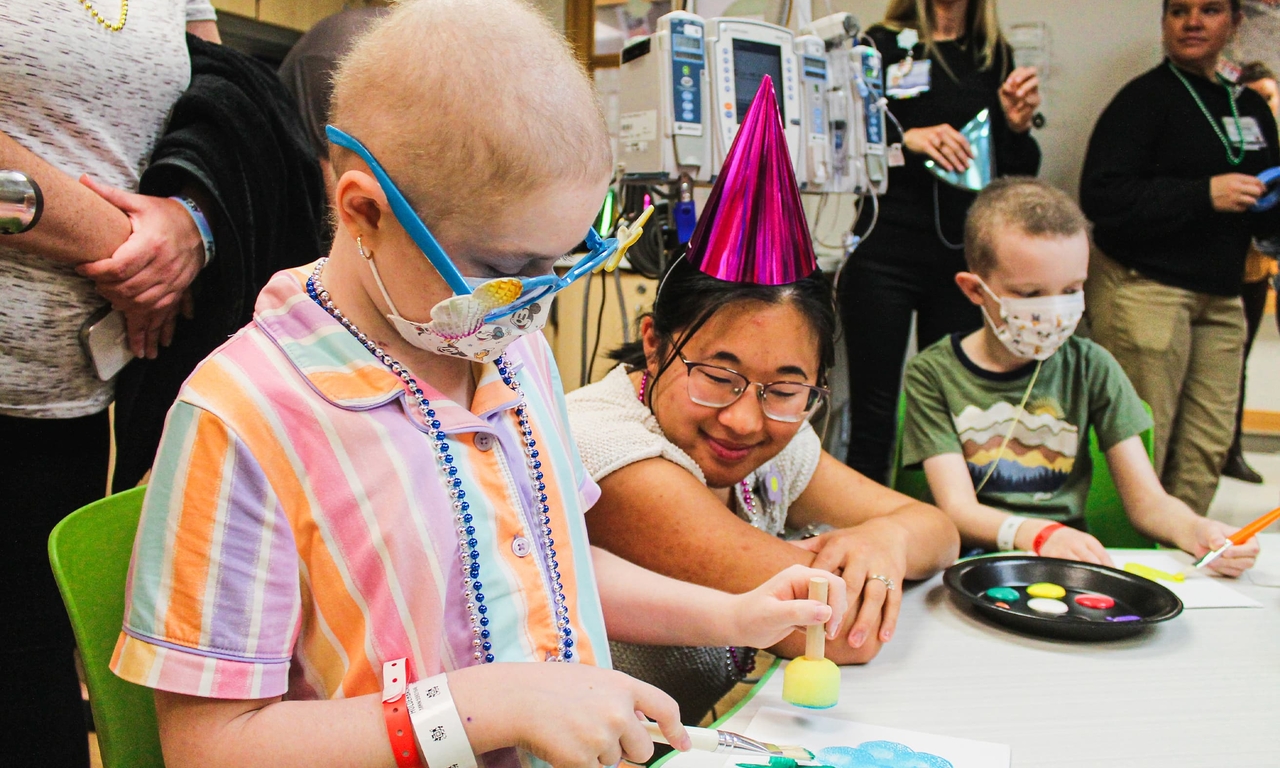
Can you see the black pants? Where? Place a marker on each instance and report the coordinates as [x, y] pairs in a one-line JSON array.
[[895, 272], [53, 467], [1254, 296]]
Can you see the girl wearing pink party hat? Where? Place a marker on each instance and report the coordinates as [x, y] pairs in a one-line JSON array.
[[700, 439]]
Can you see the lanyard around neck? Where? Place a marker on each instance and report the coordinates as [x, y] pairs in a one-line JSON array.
[[1232, 156]]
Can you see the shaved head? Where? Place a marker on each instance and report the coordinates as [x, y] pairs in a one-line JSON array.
[[471, 106]]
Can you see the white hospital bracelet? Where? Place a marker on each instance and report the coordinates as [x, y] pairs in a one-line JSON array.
[[1009, 531], [437, 727]]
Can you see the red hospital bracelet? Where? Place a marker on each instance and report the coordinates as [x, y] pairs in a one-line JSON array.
[[396, 712], [1044, 535]]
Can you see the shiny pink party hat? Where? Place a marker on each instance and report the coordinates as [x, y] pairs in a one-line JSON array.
[[753, 228]]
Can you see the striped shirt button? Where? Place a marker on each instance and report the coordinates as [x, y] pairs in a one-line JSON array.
[[484, 441], [521, 546]]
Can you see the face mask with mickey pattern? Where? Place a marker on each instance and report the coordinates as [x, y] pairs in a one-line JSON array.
[[1035, 328]]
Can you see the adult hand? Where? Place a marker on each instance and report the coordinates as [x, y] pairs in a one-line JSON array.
[[1020, 98], [780, 606], [1066, 543], [570, 715], [1211, 534], [148, 275], [943, 144], [1235, 192], [859, 554]]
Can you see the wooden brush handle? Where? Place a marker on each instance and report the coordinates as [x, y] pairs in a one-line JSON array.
[[815, 635]]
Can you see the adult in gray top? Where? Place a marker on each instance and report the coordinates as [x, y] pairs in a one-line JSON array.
[[84, 93]]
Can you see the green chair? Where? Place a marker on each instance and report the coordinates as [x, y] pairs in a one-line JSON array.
[[910, 481], [1104, 514], [89, 552]]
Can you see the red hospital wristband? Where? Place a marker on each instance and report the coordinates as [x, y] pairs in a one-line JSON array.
[[396, 712], [1044, 535]]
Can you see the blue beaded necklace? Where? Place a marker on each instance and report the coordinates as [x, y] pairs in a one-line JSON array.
[[468, 554]]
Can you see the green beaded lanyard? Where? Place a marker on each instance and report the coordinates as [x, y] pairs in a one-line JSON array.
[[1235, 116]]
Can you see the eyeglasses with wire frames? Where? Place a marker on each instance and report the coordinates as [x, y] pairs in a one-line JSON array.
[[718, 387]]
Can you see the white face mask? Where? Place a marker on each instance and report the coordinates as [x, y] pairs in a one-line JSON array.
[[1035, 328], [457, 327]]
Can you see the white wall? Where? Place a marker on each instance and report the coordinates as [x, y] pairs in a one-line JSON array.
[[1096, 47]]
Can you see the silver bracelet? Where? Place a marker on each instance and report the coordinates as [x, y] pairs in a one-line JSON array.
[[21, 202]]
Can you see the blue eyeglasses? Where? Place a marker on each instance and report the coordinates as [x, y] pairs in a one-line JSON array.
[[600, 249]]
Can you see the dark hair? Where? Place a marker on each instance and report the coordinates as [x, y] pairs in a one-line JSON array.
[[1255, 71], [1016, 202], [687, 298], [1236, 6]]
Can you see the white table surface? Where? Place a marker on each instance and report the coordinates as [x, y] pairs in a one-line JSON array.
[[1200, 690]]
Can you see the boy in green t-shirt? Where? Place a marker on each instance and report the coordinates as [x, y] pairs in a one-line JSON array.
[[1006, 410]]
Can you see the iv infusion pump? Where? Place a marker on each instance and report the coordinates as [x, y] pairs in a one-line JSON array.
[[815, 155], [854, 100], [663, 126], [685, 87], [869, 107], [742, 52]]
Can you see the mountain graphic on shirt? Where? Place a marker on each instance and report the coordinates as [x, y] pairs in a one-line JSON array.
[[1039, 456]]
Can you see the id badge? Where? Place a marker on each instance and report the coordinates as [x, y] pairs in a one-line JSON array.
[[1253, 137], [908, 78]]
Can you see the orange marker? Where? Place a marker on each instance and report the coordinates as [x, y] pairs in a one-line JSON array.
[[1240, 536]]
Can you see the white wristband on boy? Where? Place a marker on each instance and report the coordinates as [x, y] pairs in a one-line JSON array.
[[1008, 532], [437, 727]]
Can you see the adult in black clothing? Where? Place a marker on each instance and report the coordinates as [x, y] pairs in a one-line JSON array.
[[910, 260], [1259, 270], [307, 71], [1168, 181]]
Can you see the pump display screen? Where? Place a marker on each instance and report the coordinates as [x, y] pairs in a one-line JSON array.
[[751, 62], [689, 46]]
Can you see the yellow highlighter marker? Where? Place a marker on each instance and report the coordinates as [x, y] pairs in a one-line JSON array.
[[1155, 574]]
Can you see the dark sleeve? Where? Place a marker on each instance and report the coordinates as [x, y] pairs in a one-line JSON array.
[[307, 78], [1017, 154], [1266, 225], [1120, 189]]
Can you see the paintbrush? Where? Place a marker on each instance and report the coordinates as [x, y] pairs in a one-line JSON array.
[[1240, 536], [724, 742]]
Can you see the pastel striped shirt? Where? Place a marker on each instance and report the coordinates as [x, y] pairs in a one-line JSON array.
[[296, 533]]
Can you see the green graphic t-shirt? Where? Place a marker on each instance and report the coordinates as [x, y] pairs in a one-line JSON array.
[[953, 406]]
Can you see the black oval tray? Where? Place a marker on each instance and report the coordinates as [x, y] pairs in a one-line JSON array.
[[1134, 595]]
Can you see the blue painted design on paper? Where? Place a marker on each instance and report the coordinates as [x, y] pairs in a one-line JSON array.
[[880, 754]]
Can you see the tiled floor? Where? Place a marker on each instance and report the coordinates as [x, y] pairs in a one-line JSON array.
[[1263, 389]]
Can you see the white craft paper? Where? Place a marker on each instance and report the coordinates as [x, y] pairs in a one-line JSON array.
[[816, 733], [1267, 572], [1263, 577], [1199, 590]]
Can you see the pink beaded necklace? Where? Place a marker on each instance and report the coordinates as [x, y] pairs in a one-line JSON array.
[[748, 498]]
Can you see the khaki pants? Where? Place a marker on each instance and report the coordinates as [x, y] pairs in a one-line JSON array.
[[1183, 351]]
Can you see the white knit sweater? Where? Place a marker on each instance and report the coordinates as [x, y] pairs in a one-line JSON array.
[[613, 429]]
